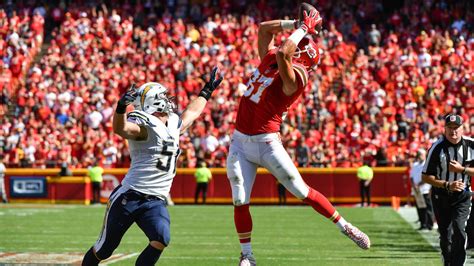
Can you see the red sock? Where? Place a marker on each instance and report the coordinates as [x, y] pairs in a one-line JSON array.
[[243, 222], [322, 205]]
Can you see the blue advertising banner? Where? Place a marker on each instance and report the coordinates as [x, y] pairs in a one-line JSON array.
[[28, 186]]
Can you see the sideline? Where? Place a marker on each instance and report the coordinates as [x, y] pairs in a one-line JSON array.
[[411, 217], [53, 259]]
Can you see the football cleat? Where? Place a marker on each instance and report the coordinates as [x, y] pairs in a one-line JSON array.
[[359, 237], [247, 260]]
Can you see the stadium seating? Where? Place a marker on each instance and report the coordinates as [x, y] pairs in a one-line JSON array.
[[379, 93]]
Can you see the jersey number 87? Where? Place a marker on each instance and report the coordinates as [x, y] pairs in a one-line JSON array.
[[261, 82]]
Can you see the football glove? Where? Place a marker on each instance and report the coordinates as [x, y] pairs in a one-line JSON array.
[[310, 21], [127, 98], [212, 84]]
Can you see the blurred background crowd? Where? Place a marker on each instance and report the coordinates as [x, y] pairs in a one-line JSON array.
[[390, 71]]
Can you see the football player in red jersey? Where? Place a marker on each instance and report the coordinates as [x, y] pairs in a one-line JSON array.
[[277, 82]]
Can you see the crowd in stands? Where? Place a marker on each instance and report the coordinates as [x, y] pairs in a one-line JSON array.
[[387, 77], [21, 39]]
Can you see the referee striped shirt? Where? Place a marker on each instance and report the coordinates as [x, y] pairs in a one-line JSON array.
[[443, 151]]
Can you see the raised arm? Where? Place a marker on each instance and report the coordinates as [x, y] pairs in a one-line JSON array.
[[120, 124], [267, 30], [195, 108], [287, 49]]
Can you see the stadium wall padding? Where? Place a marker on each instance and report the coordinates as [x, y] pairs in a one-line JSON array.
[[339, 185]]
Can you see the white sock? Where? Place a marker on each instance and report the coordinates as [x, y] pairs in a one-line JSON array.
[[341, 224], [246, 248]]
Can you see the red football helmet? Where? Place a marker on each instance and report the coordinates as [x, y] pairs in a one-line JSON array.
[[307, 53]]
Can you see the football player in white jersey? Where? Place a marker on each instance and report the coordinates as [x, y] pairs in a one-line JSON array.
[[152, 130]]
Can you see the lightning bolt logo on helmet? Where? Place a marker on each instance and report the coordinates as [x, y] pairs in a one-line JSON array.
[[153, 98]]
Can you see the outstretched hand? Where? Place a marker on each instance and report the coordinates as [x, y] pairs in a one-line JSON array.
[[214, 80], [310, 21], [129, 96]]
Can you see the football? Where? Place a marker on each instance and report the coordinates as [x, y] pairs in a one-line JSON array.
[[304, 7]]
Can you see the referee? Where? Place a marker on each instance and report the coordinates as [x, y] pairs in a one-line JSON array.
[[445, 169]]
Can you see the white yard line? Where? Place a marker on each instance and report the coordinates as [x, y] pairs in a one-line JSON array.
[[432, 237], [410, 216], [22, 258], [49, 258], [236, 258], [114, 260]]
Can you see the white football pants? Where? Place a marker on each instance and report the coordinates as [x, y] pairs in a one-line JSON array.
[[248, 152]]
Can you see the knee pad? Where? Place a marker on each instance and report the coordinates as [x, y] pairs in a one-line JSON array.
[[238, 190], [240, 202], [162, 237], [235, 180], [157, 245]]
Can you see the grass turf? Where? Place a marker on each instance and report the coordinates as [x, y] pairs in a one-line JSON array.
[[205, 235]]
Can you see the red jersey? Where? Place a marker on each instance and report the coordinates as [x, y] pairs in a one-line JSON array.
[[264, 104]]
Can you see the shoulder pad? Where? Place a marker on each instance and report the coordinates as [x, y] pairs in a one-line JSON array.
[[302, 73], [140, 118]]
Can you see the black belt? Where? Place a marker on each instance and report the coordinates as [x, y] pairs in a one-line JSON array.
[[442, 191], [133, 194]]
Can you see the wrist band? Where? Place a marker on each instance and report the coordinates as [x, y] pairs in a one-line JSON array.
[[287, 24], [297, 36], [464, 171], [121, 109], [446, 185], [205, 93]]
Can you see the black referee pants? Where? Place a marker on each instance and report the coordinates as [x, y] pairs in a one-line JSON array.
[[200, 187], [364, 193], [426, 215], [452, 212]]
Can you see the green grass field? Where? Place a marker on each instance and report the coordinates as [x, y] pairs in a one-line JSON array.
[[205, 235]]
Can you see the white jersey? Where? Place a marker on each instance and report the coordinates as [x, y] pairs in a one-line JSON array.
[[153, 164], [415, 174], [3, 192], [3, 169]]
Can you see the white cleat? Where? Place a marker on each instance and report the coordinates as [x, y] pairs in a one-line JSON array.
[[247, 260], [361, 239]]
